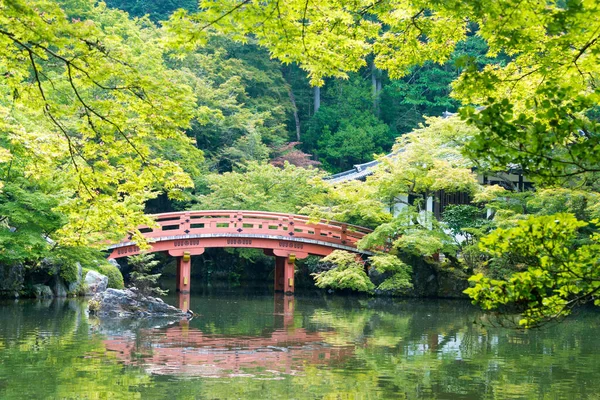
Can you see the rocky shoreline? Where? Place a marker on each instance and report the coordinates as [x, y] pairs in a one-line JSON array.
[[51, 283], [93, 282]]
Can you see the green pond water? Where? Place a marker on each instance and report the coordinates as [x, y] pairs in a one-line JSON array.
[[255, 345]]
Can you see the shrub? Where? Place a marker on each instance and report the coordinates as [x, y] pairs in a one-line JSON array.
[[348, 273], [460, 216], [399, 279], [115, 278], [81, 290], [68, 271]]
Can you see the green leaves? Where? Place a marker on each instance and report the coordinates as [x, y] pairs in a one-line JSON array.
[[264, 187], [241, 100], [354, 202], [141, 276], [552, 142], [115, 278], [87, 94], [461, 217], [347, 273], [27, 219], [426, 160], [558, 276], [356, 140], [331, 39], [399, 274], [410, 232]]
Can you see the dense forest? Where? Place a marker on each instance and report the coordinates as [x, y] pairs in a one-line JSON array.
[[114, 110]]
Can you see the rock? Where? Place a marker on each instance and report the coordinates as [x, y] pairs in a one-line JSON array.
[[58, 287], [377, 277], [431, 280], [42, 292], [74, 286], [129, 303], [95, 283], [115, 263], [452, 283], [11, 278]]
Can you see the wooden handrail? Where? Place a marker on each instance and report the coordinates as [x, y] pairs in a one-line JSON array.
[[238, 222]]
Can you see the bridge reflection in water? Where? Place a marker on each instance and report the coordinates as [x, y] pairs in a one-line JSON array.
[[186, 351]]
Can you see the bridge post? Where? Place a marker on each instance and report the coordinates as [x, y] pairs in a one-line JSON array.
[[279, 268], [184, 269], [284, 274]]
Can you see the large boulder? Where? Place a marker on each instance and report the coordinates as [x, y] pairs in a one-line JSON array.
[[432, 280], [95, 283], [58, 287], [42, 292], [74, 286], [129, 303], [11, 279], [452, 283]]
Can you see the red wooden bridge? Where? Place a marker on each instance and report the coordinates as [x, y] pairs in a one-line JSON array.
[[286, 236]]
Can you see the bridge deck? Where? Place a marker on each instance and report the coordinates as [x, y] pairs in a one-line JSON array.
[[234, 228], [286, 236]]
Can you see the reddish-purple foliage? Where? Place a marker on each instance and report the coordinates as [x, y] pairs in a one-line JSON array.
[[289, 153]]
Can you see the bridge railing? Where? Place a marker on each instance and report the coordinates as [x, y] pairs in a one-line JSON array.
[[235, 222]]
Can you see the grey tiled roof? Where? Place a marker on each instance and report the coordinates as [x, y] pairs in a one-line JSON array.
[[360, 171]]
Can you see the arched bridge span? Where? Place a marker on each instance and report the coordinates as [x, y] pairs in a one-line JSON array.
[[285, 236]]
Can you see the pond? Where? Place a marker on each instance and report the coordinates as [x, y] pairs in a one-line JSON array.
[[256, 345]]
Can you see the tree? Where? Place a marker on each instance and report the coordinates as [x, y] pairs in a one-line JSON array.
[[242, 101], [353, 202], [557, 276], [81, 105], [411, 232], [142, 278], [345, 131], [427, 160], [264, 187], [335, 37], [459, 218], [556, 143], [289, 153], [356, 140], [29, 219], [343, 270], [468, 223], [157, 10], [426, 90]]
